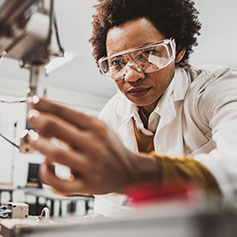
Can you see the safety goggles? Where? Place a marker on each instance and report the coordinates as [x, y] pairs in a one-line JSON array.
[[145, 59]]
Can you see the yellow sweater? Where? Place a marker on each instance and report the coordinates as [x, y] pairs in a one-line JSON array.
[[172, 169]]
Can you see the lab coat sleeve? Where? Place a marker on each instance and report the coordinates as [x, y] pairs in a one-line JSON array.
[[217, 106]]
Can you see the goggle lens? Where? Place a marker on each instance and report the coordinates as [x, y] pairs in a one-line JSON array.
[[147, 59]]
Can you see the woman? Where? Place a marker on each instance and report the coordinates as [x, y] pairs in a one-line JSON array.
[[165, 107]]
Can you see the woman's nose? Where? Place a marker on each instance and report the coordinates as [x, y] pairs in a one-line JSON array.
[[132, 74]]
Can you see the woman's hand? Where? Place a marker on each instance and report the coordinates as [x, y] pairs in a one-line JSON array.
[[98, 160]]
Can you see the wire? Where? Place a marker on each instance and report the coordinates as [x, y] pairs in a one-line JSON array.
[[61, 49], [6, 139], [6, 213], [44, 213], [13, 101]]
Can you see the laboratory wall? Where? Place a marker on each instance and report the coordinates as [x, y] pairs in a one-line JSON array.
[[217, 42]]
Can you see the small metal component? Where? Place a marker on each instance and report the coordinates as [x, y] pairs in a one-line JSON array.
[[24, 143], [18, 210], [36, 88]]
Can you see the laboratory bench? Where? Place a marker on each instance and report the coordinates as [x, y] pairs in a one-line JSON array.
[[37, 198], [173, 220], [52, 198]]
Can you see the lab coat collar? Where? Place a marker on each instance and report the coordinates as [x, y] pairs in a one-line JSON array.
[[182, 82], [175, 92], [126, 109]]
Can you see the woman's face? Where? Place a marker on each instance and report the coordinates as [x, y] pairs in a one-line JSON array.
[[143, 89]]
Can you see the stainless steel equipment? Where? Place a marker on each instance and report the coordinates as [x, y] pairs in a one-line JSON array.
[[26, 28]]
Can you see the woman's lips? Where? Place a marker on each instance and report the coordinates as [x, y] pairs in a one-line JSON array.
[[137, 92]]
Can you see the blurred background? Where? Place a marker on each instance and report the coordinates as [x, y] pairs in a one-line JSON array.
[[78, 83]]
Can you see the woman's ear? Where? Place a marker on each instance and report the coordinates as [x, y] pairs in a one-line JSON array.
[[179, 56]]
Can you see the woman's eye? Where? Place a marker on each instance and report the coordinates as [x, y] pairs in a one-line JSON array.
[[118, 63], [143, 56], [148, 52], [155, 52]]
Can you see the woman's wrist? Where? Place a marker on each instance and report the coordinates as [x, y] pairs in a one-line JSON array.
[[145, 168]]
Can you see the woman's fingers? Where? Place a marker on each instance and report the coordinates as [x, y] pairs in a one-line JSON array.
[[77, 118], [63, 186], [49, 125], [61, 154], [97, 158]]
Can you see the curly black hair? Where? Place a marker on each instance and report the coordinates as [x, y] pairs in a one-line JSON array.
[[173, 18]]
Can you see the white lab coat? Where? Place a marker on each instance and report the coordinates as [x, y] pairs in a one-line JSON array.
[[198, 118]]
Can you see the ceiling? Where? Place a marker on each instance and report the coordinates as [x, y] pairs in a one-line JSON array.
[[81, 75]]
